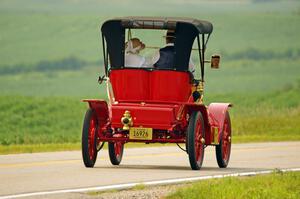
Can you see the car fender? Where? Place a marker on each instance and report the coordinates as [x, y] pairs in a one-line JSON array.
[[216, 115], [202, 108], [101, 108]]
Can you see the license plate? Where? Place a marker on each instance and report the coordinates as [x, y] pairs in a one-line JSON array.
[[140, 133]]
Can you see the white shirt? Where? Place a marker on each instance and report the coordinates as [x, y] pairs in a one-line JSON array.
[[134, 60], [156, 57]]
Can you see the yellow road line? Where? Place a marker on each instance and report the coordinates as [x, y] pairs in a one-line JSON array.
[[37, 163], [53, 162], [46, 163]]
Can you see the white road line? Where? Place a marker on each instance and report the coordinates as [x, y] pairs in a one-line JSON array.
[[158, 182]]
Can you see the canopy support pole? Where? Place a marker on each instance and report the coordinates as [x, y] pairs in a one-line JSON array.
[[201, 58], [104, 55]]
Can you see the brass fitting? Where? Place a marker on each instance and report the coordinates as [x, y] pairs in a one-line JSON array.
[[202, 140], [126, 120], [200, 89], [215, 135]]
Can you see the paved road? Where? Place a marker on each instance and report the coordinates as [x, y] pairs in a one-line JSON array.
[[26, 173]]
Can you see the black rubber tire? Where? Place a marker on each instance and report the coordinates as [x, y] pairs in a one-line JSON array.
[[195, 165], [223, 163], [115, 159], [88, 162]]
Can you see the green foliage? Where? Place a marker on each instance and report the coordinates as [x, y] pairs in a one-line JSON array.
[[33, 120], [70, 63], [36, 120], [266, 116], [251, 77], [37, 147], [79, 83], [35, 31], [139, 187], [275, 185], [257, 54], [233, 78]]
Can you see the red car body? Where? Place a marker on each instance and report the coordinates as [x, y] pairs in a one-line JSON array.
[[160, 100]]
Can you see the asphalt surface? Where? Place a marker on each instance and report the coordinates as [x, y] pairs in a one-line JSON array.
[[29, 173]]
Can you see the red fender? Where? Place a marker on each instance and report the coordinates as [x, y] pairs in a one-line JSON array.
[[216, 115], [202, 108], [101, 109]]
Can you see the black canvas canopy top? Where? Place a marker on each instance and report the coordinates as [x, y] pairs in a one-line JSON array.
[[186, 30]]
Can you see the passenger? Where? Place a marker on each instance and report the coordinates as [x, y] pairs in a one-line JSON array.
[[132, 50], [164, 58]]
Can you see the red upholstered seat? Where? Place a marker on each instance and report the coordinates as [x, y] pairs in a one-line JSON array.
[[144, 85]]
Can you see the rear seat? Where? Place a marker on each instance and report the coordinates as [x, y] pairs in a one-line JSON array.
[[144, 85]]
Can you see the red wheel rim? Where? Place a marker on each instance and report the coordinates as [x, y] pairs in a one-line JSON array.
[[226, 142], [91, 138], [118, 149], [198, 144]]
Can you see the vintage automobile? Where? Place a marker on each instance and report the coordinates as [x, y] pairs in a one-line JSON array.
[[153, 105]]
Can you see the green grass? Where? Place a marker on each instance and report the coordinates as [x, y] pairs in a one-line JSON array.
[[97, 193], [139, 187], [50, 147], [135, 188], [58, 120], [34, 31], [33, 120], [234, 77], [34, 148], [265, 117], [275, 185], [79, 84]]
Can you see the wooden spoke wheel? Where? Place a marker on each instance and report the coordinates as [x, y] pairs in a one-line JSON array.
[[195, 140], [224, 148], [89, 142], [115, 150]]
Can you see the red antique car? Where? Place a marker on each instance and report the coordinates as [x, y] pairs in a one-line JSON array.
[[153, 105]]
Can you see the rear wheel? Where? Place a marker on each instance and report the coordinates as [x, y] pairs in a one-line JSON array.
[[224, 148], [115, 150], [89, 139], [195, 140]]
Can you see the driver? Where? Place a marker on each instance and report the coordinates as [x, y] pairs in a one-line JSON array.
[[132, 50], [164, 58]]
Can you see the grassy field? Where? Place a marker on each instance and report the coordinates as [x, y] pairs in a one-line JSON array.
[[276, 185], [34, 31], [57, 120], [51, 57]]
